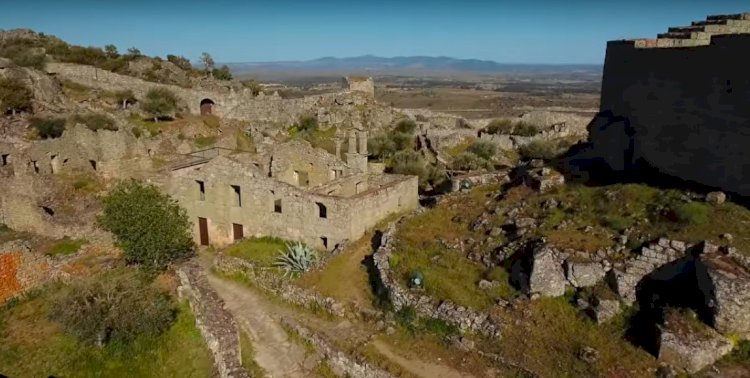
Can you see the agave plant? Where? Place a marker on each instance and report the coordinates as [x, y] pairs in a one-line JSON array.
[[297, 258]]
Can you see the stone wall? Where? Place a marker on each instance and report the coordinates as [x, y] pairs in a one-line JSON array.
[[216, 324], [342, 364], [277, 285], [687, 122], [360, 84], [268, 207], [22, 270], [464, 318]]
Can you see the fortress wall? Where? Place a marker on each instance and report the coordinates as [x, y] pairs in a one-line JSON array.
[[373, 206], [687, 109]]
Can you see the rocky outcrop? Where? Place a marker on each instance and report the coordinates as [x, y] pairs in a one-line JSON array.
[[216, 324], [689, 344], [547, 277], [464, 318], [584, 274], [726, 287]]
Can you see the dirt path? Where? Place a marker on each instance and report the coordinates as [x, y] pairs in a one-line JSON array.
[[275, 352], [419, 368], [282, 357]]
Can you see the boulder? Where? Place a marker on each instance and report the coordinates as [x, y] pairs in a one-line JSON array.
[[605, 310], [688, 344], [584, 274], [716, 198], [547, 277], [726, 286]]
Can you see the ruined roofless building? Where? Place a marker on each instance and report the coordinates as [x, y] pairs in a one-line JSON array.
[[296, 192], [679, 103]]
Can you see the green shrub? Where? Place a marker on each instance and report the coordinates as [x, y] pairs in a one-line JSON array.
[[31, 60], [543, 149], [160, 103], [468, 161], [409, 162], [381, 146], [205, 141], [499, 126], [137, 132], [222, 73], [95, 121], [307, 124], [14, 96], [150, 227], [694, 213], [406, 126], [48, 128], [116, 307], [125, 97], [525, 129], [180, 61], [497, 274], [402, 141], [485, 150]]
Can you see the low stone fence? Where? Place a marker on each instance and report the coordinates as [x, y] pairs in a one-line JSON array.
[[341, 363], [462, 317], [277, 285], [216, 324]]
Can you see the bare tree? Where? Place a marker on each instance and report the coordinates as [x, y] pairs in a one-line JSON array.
[[208, 62]]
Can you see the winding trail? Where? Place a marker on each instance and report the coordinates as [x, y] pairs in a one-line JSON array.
[[282, 357], [275, 352]]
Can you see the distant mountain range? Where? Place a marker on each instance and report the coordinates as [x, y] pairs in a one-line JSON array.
[[404, 65]]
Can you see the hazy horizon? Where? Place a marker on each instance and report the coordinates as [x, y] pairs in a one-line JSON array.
[[510, 32]]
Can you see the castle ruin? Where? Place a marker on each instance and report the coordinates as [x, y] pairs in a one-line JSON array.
[[678, 104]]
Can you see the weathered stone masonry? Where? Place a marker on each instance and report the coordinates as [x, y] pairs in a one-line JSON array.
[[679, 103]]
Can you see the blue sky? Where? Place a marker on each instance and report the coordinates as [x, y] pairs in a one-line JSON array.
[[518, 31]]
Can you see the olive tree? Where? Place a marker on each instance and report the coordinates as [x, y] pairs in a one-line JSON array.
[[14, 96], [116, 306], [160, 103], [149, 226]]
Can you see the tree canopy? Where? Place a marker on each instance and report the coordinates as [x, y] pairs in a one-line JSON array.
[[14, 96], [160, 103], [150, 227]]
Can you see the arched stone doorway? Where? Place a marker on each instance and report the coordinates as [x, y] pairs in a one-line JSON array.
[[207, 106]]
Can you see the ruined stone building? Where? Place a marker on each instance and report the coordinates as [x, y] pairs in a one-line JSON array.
[[294, 192], [679, 103]]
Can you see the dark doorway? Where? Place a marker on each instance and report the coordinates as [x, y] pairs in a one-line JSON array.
[[203, 230], [239, 234], [207, 106]]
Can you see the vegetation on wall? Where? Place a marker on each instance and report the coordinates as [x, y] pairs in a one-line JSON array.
[[150, 227], [95, 121], [14, 96], [48, 128]]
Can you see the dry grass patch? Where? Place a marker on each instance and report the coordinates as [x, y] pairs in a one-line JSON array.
[[548, 336], [347, 266]]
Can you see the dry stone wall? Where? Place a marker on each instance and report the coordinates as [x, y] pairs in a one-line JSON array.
[[277, 285], [464, 318], [217, 326]]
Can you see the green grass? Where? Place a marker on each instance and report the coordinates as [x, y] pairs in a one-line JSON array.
[[153, 128], [594, 216], [447, 274], [205, 141], [549, 333], [248, 357], [262, 251], [66, 247], [33, 346], [460, 148], [318, 137]]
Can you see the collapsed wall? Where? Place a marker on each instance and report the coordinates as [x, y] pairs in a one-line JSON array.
[[679, 104]]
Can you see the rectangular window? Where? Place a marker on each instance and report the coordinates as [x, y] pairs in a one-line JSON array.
[[201, 190], [277, 206], [237, 195], [324, 241], [5, 159]]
